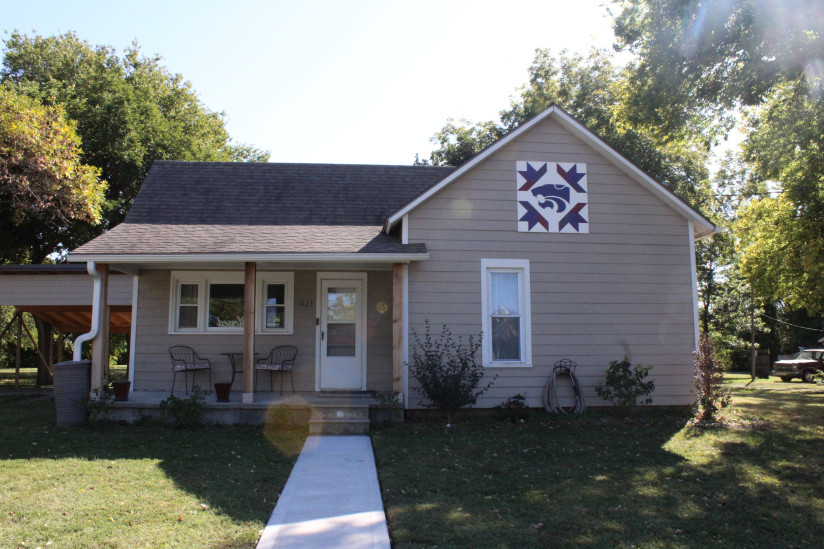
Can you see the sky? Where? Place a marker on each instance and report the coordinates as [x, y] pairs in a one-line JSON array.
[[324, 81]]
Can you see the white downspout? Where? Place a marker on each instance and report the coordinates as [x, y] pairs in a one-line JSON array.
[[97, 308]]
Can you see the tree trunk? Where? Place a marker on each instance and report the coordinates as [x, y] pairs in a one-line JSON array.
[[45, 342]]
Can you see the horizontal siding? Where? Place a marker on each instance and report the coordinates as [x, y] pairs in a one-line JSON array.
[[153, 366], [624, 289], [379, 331], [74, 289]]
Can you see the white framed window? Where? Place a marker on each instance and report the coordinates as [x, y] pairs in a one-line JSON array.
[[276, 302], [186, 300], [213, 302], [507, 318]]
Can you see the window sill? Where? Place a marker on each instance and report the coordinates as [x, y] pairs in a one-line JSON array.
[[274, 332], [225, 331], [507, 365]]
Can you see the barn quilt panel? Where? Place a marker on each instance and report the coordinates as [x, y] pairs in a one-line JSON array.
[[552, 197]]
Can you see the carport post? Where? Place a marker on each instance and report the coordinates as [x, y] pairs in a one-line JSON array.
[[17, 351], [60, 345]]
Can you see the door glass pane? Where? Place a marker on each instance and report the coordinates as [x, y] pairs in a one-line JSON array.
[[226, 305], [504, 297], [341, 340], [188, 294], [340, 304], [506, 338]]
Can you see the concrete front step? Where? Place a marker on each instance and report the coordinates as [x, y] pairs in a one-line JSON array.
[[338, 426], [347, 419]]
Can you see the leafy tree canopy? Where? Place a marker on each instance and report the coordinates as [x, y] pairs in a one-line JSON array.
[[42, 181], [781, 254], [781, 239], [709, 56], [762, 59], [129, 110]]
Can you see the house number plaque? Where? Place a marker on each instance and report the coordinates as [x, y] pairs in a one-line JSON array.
[[306, 302]]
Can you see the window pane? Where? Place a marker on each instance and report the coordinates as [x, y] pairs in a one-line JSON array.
[[226, 305], [188, 294], [340, 340], [274, 316], [275, 294], [187, 316], [340, 304], [504, 298], [506, 338]]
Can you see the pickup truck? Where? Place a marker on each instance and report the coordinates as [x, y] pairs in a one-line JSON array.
[[804, 365]]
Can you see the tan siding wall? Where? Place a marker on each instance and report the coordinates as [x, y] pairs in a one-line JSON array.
[[379, 331], [69, 289], [153, 368], [623, 289]]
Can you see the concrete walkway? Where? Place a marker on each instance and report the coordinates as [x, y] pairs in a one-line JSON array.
[[332, 499]]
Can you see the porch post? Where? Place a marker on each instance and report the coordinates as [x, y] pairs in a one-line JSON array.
[[100, 344], [397, 327], [249, 333]]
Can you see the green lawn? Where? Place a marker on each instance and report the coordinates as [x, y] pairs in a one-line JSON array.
[[594, 481], [135, 486], [28, 376], [605, 481]]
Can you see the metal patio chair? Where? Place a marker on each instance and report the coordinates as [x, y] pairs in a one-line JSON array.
[[281, 359], [185, 359]]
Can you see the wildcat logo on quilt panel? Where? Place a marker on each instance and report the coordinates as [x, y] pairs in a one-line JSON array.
[[552, 197]]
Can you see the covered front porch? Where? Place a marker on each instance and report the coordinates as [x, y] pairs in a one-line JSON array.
[[346, 320]]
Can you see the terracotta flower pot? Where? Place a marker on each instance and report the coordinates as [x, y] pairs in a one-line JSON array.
[[222, 391], [121, 390]]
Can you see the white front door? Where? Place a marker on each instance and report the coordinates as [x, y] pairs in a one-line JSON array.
[[342, 346]]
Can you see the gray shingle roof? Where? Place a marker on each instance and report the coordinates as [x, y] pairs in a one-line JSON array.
[[227, 207], [142, 238]]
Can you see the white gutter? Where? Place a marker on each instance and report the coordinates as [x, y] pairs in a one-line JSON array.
[[97, 307]]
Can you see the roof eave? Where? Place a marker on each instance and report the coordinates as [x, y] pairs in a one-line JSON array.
[[193, 259]]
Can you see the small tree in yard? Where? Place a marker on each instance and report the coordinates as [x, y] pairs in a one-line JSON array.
[[447, 371], [712, 397], [625, 384]]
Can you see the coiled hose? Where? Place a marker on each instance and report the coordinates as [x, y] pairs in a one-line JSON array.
[[552, 404]]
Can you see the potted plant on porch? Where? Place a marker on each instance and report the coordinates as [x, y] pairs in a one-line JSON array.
[[120, 383], [121, 389], [222, 390]]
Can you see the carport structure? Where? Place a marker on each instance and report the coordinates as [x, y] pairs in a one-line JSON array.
[[60, 298]]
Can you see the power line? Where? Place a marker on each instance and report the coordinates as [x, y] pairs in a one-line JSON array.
[[793, 325]]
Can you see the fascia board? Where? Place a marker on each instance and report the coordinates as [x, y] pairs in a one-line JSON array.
[[273, 258]]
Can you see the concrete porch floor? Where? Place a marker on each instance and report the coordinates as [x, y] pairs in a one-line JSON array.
[[263, 399], [291, 408]]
